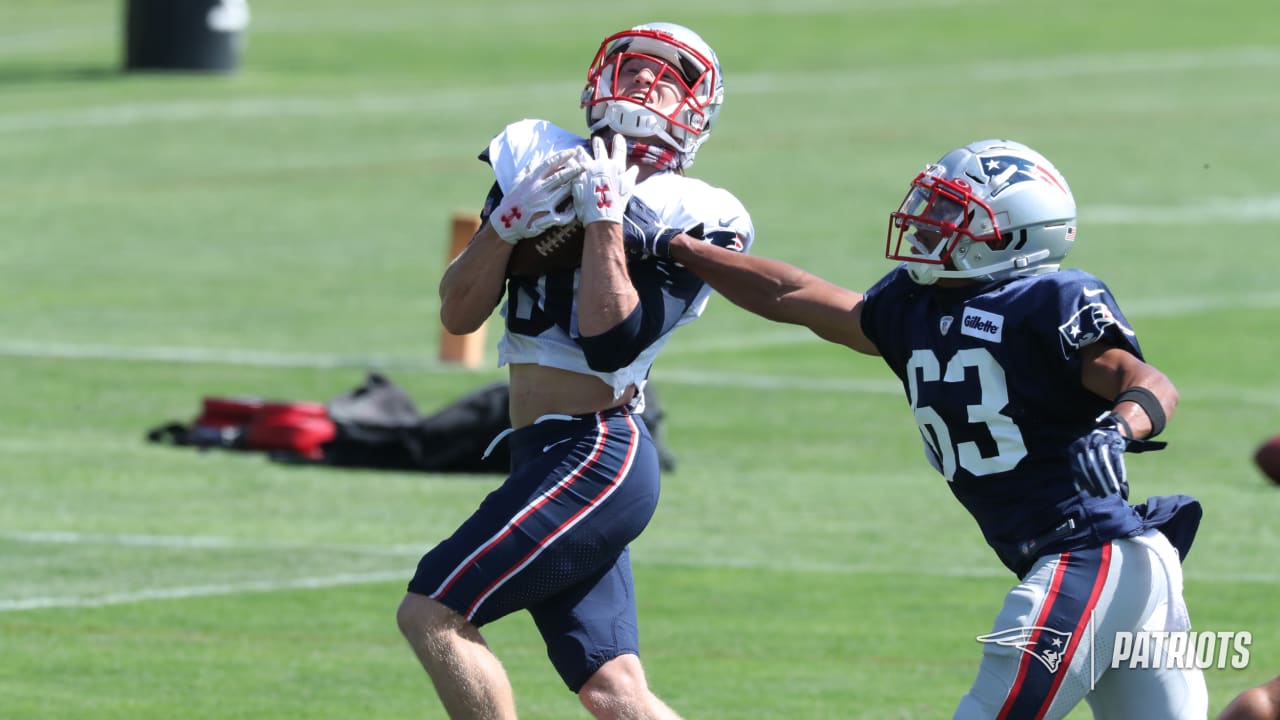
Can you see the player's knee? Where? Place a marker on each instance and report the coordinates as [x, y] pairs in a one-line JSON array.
[[615, 689], [973, 708], [420, 618]]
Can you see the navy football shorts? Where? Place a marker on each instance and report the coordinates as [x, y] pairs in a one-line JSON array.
[[553, 539]]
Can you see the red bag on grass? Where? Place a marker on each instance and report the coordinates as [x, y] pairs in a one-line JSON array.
[[247, 423]]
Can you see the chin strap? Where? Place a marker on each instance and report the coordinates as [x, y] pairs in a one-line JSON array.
[[652, 155], [1017, 263], [635, 121]]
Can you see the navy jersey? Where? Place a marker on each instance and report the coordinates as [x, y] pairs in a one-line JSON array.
[[992, 373]]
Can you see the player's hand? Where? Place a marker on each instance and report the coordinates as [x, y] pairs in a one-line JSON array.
[[601, 192], [529, 208], [1097, 459], [644, 233], [1097, 462]]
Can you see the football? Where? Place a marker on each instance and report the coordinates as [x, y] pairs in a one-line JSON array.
[[1267, 458], [559, 248]]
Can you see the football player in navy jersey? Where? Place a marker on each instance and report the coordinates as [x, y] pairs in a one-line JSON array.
[[578, 342], [1028, 386]]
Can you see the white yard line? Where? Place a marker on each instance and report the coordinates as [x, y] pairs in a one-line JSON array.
[[666, 375], [219, 356], [1230, 211], [685, 347], [303, 19], [196, 591], [202, 542], [362, 578], [452, 101]]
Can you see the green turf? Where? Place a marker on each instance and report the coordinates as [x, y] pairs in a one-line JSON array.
[[279, 230]]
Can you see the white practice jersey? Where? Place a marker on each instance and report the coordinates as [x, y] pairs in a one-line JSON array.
[[541, 313]]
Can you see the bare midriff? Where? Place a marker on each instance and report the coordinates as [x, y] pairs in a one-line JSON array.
[[538, 390]]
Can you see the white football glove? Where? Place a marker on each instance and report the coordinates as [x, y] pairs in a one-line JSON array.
[[529, 208], [601, 192]]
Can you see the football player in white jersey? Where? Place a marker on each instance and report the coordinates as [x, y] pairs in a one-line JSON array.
[[578, 343], [1028, 387]]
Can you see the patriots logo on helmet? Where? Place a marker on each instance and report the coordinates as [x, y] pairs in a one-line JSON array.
[[1011, 169], [1042, 643]]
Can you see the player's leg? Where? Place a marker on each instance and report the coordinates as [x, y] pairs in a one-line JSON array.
[[467, 676], [984, 698], [437, 618], [552, 538], [591, 628], [1147, 596], [500, 560], [1034, 661], [593, 640], [619, 691], [1167, 693]]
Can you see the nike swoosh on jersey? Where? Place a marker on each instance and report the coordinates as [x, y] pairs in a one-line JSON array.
[[1093, 292], [548, 447]]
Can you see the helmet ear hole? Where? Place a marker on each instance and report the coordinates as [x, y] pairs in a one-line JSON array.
[[1022, 239], [1000, 243]]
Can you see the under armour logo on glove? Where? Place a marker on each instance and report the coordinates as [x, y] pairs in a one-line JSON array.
[[601, 192], [510, 217], [529, 208]]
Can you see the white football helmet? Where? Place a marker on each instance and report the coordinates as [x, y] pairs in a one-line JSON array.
[[990, 210], [685, 59]]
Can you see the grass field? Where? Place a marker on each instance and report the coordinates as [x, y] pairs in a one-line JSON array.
[[279, 230]]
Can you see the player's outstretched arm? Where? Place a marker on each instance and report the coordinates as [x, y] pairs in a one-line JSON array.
[[777, 291]]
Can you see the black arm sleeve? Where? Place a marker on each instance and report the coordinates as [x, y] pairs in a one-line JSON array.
[[666, 291]]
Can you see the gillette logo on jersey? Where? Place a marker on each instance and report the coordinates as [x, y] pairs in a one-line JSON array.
[[982, 325]]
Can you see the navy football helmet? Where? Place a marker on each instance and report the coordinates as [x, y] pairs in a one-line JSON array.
[[987, 211]]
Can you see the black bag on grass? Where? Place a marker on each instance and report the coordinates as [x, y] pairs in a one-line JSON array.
[[377, 425]]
